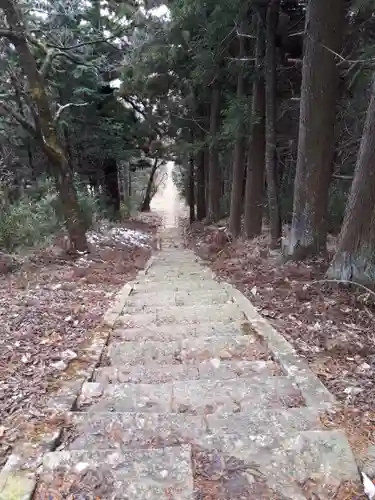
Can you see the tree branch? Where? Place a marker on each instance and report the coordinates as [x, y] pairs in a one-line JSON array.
[[28, 126], [66, 106]]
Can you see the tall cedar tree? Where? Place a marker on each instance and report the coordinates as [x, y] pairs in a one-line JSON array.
[[270, 152], [236, 200], [213, 201], [355, 254], [320, 87], [254, 191]]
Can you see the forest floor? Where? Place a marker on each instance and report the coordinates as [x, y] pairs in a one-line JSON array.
[[331, 327], [48, 307]]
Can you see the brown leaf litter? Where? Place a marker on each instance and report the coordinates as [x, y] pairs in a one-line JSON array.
[[50, 309]]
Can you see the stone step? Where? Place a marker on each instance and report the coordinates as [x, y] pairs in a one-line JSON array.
[[177, 268], [226, 313], [147, 302], [190, 350], [324, 456], [177, 260], [154, 286], [265, 428], [153, 373], [153, 474], [192, 397], [188, 274], [166, 333]]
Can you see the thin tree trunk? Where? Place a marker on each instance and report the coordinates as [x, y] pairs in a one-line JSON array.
[[201, 185], [355, 255], [49, 140], [254, 191], [145, 207], [213, 212], [236, 200], [191, 190], [270, 153], [319, 93], [112, 192]]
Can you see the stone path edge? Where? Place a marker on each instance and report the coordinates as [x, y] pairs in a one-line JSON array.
[[313, 390], [18, 477]]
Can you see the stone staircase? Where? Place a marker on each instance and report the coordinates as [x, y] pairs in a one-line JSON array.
[[192, 404]]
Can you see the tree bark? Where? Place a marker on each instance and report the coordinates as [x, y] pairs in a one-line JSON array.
[[112, 192], [236, 199], [191, 190], [145, 207], [49, 137], [319, 93], [213, 205], [271, 110], [201, 185], [254, 190], [355, 255]]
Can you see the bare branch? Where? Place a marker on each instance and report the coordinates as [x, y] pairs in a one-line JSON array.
[[253, 37], [342, 58], [342, 177], [5, 110], [66, 106]]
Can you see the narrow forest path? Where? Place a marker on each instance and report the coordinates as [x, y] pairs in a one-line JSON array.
[[199, 398]]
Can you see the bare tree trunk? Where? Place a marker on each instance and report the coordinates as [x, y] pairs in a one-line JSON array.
[[201, 185], [145, 207], [254, 191], [355, 255], [270, 153], [191, 190], [319, 93], [112, 192], [49, 138], [236, 200], [213, 212]]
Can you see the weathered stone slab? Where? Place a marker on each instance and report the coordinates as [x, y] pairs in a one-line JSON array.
[[186, 273], [134, 430], [245, 348], [324, 456], [149, 302], [234, 395], [126, 397], [16, 485], [146, 374], [258, 428], [212, 369], [152, 285], [167, 333], [188, 350], [226, 313], [156, 474]]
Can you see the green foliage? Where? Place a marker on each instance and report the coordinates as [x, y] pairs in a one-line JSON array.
[[35, 216]]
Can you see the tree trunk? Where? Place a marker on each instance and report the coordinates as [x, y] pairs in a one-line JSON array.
[[213, 208], [319, 92], [355, 255], [254, 191], [236, 199], [191, 190], [145, 207], [270, 153], [49, 137], [111, 187], [201, 185]]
